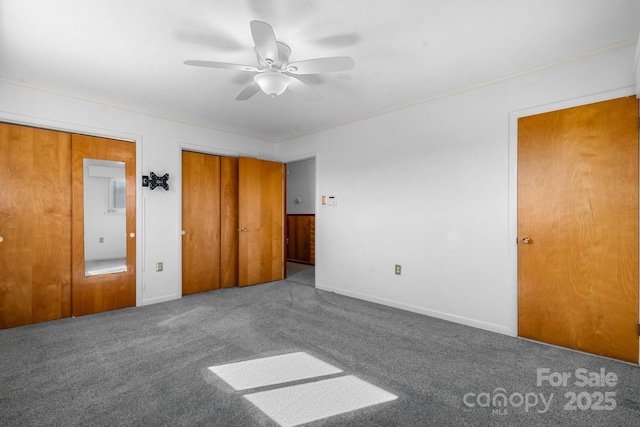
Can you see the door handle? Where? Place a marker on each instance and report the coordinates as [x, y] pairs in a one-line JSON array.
[[132, 234], [243, 229], [526, 240]]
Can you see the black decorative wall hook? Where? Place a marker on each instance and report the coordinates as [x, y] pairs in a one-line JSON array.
[[156, 181]]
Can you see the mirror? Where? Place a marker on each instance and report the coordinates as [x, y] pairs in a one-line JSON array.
[[105, 226]]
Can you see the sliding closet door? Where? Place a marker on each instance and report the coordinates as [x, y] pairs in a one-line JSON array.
[[229, 221], [102, 289], [35, 225], [200, 222], [261, 221], [209, 222]]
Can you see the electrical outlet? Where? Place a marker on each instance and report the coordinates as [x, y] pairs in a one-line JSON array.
[[159, 266], [398, 269]]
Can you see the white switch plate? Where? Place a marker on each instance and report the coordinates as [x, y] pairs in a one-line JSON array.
[[332, 200]]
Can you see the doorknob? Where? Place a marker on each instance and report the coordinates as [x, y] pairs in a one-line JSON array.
[[183, 232], [526, 240], [132, 234], [242, 229]]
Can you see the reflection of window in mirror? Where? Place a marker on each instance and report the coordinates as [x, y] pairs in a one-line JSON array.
[[117, 195]]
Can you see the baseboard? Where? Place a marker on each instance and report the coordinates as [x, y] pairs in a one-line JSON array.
[[492, 327], [163, 298]]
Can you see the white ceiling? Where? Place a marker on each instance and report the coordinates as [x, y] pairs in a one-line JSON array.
[[130, 53]]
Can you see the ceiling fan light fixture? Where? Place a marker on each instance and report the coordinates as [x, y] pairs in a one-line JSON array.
[[274, 72], [273, 83]]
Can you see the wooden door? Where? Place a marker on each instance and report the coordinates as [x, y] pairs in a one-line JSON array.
[[261, 219], [209, 222], [228, 222], [200, 222], [578, 228], [35, 225], [93, 294]]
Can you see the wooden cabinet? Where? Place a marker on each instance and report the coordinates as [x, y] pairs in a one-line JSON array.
[[301, 237]]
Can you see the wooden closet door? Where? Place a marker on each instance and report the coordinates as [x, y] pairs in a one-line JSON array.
[[261, 221], [103, 292], [209, 222], [578, 228], [200, 222], [229, 221], [35, 225]]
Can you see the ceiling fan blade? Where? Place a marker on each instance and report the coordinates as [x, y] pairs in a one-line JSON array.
[[304, 90], [265, 41], [321, 65], [248, 92], [225, 65]]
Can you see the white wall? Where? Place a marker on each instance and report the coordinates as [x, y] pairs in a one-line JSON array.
[[432, 187], [301, 187], [158, 146], [636, 67]]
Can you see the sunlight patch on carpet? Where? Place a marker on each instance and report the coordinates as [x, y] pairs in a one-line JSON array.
[[311, 400], [303, 403], [273, 370]]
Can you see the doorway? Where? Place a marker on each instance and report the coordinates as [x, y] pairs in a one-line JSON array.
[[578, 228], [300, 214]]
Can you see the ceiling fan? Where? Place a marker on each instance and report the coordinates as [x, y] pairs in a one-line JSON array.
[[274, 72]]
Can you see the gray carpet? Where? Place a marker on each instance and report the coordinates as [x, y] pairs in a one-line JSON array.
[[149, 365], [301, 273]]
